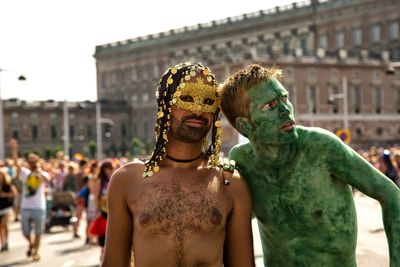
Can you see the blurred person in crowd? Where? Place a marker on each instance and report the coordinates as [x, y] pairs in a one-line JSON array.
[[33, 200], [70, 178], [60, 175], [300, 177], [389, 167], [17, 183], [91, 202], [7, 193], [178, 208], [82, 175], [100, 188]]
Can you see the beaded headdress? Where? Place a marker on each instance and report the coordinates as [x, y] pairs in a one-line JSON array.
[[173, 83]]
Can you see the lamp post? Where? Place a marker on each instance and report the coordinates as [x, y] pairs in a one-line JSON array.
[[66, 127], [343, 96], [2, 154], [99, 134]]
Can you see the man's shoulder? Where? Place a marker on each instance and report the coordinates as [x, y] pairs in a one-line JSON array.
[[130, 171], [315, 136], [240, 152]]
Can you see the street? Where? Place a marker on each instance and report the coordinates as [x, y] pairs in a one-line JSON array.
[[60, 249]]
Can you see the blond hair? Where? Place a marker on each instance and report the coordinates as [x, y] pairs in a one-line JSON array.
[[235, 99]]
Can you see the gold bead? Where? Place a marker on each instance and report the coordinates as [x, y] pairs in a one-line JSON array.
[[170, 80], [187, 78], [173, 70], [193, 73], [178, 93], [205, 72], [218, 123], [160, 114], [182, 85], [209, 78], [156, 169]]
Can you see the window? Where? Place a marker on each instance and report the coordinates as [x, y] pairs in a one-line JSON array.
[[123, 130], [144, 72], [375, 33], [335, 103], [53, 132], [35, 132], [303, 44], [312, 99], [356, 99], [133, 74], [89, 131], [71, 131], [156, 71], [14, 116], [145, 96], [286, 48], [323, 41], [357, 36], [340, 39], [377, 99], [393, 30]]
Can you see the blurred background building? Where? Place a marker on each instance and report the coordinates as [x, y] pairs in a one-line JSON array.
[[325, 48]]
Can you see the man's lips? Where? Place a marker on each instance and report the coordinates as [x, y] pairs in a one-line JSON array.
[[195, 122], [288, 126]]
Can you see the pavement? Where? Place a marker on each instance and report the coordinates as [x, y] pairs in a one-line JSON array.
[[60, 249]]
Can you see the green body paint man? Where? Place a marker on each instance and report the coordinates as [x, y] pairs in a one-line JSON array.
[[300, 178]]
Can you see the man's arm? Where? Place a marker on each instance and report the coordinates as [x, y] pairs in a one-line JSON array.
[[118, 246], [348, 166], [238, 248]]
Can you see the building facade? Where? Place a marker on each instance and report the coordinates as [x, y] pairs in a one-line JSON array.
[[39, 126], [318, 44]]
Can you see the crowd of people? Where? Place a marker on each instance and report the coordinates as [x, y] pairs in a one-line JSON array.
[[30, 186], [87, 181]]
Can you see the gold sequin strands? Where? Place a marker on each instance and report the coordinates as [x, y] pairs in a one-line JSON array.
[[169, 89]]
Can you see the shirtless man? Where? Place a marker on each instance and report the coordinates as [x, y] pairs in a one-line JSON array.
[[178, 208], [300, 178]]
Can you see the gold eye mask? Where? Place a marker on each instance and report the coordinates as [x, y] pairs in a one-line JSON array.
[[196, 96]]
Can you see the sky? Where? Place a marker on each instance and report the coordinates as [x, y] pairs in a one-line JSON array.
[[52, 42]]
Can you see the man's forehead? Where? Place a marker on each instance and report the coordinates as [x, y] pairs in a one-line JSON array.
[[268, 87]]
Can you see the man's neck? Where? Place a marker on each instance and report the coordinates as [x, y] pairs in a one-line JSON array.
[[276, 155], [179, 151]]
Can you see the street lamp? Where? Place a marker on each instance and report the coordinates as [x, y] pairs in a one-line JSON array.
[[343, 96], [2, 154], [99, 134]]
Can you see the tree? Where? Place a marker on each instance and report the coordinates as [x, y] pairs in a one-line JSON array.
[[137, 147]]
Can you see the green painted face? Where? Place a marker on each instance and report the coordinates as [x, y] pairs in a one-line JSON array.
[[271, 114]]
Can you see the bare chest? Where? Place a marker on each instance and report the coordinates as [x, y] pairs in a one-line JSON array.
[[172, 208]]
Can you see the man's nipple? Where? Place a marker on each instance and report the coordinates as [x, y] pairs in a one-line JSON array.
[[144, 218], [216, 216]]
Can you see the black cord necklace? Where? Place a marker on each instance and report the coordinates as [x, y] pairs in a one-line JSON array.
[[183, 160]]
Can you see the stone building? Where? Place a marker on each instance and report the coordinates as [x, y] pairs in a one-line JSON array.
[[39, 126], [316, 43]]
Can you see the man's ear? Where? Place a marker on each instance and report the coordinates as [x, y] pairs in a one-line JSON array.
[[244, 126]]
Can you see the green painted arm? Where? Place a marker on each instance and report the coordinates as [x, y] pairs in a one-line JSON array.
[[347, 165]]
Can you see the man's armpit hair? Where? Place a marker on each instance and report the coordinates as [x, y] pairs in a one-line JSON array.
[[235, 100]]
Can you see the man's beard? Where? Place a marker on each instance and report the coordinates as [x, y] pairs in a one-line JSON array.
[[185, 133]]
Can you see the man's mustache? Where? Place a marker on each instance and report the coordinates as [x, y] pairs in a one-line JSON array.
[[195, 117]]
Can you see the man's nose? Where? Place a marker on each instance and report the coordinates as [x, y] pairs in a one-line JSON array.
[[284, 110]]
